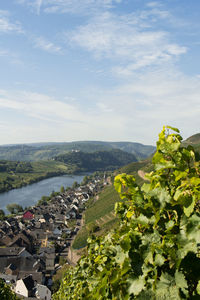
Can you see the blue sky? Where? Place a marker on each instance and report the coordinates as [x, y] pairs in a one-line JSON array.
[[113, 70]]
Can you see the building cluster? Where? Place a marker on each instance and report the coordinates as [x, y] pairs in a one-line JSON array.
[[32, 243]]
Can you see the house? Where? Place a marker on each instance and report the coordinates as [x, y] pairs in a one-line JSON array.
[[49, 256], [9, 279], [24, 287], [11, 270], [28, 215], [14, 251], [15, 265], [38, 277], [42, 292], [19, 240]]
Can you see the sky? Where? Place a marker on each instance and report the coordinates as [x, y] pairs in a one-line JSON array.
[[110, 70]]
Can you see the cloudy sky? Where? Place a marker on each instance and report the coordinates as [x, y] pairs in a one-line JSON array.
[[113, 70]]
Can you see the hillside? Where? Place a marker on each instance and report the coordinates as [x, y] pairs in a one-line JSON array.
[[101, 212], [99, 216], [97, 161], [17, 174], [45, 151], [194, 139], [153, 252]]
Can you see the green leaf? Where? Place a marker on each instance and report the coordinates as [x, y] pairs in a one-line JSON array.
[[125, 242], [177, 194], [121, 255], [198, 287], [169, 225], [189, 207], [181, 282], [129, 214], [159, 260], [166, 288], [117, 185], [136, 286], [173, 128]]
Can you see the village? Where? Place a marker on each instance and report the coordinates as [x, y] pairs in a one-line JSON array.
[[33, 243]]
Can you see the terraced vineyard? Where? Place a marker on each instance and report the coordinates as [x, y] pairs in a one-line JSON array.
[[99, 216]]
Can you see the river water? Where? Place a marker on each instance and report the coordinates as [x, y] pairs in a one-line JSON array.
[[30, 194]]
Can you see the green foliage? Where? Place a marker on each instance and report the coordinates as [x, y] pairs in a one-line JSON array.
[[43, 200], [104, 205], [81, 238], [75, 185], [62, 189], [96, 216], [15, 166], [17, 174], [6, 292], [38, 152], [154, 252], [14, 208], [96, 161], [2, 214]]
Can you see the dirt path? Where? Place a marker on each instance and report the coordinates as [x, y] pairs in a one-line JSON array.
[[109, 181], [74, 255], [142, 174]]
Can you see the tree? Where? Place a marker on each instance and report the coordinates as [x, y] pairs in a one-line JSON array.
[[154, 253], [5, 291], [85, 180], [75, 185], [14, 208], [62, 189], [2, 214]]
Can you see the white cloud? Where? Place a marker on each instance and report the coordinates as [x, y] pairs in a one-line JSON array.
[[38, 5], [70, 6], [8, 26], [11, 57], [135, 111], [44, 44], [125, 39], [64, 120], [154, 99]]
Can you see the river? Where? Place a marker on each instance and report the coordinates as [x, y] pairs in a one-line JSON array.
[[30, 194]]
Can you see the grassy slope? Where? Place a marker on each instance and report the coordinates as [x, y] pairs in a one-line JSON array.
[[103, 206], [101, 212]]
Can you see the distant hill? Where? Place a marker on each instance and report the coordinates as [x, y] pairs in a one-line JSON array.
[[194, 139], [46, 151], [96, 161]]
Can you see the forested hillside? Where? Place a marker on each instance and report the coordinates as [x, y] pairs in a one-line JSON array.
[[97, 161], [45, 151]]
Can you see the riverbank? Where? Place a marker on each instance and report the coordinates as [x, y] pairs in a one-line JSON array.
[[12, 177], [29, 195]]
